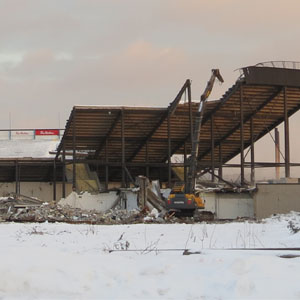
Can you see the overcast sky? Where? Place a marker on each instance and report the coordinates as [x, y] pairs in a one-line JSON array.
[[58, 53], [54, 54]]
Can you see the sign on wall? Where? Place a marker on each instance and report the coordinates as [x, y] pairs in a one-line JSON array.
[[46, 132], [22, 135]]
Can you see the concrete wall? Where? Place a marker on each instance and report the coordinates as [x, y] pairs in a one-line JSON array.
[[100, 202], [276, 199], [41, 190], [229, 205]]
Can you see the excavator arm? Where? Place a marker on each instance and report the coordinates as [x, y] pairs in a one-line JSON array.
[[190, 185]]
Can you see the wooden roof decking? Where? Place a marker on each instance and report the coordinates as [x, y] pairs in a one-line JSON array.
[[146, 129], [96, 125]]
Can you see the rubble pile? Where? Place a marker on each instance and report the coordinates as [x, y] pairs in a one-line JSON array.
[[26, 209]]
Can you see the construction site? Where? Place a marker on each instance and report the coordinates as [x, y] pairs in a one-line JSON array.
[[168, 159]]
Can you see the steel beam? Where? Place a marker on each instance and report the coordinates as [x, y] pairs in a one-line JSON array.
[[103, 141], [17, 177], [147, 159], [208, 116], [242, 135], [220, 161], [123, 148], [106, 166], [169, 151], [65, 133], [170, 111], [286, 134], [64, 172], [185, 163], [212, 138], [190, 110], [247, 118], [252, 175], [74, 150], [277, 153], [54, 180]]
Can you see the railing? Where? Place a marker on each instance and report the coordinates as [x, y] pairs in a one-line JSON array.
[[280, 64]]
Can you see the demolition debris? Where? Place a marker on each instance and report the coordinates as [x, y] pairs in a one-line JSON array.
[[17, 208]]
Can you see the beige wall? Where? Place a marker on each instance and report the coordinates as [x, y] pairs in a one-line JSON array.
[[276, 199], [41, 190], [229, 205]]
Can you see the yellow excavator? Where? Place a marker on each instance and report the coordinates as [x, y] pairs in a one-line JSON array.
[[183, 198]]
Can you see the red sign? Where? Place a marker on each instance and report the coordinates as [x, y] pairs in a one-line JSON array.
[[46, 132]]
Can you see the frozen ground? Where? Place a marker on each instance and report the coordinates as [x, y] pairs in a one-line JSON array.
[[61, 261]]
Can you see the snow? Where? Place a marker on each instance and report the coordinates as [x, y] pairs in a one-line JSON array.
[[27, 148], [55, 261]]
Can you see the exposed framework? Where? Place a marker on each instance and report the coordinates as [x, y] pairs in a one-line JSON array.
[[138, 140]]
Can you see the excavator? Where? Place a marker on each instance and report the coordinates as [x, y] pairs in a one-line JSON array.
[[183, 197]]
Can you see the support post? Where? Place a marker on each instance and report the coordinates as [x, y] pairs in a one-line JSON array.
[[17, 175], [190, 110], [54, 179], [277, 153], [147, 159], [64, 172], [123, 148], [74, 152], [185, 161], [242, 136], [220, 162], [286, 135], [212, 139], [252, 175], [106, 165], [169, 152]]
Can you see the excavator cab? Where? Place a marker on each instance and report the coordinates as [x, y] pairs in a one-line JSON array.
[[181, 202]]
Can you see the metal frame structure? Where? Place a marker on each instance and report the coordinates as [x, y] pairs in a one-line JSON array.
[[123, 142]]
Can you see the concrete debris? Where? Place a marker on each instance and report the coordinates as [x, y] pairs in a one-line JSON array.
[[12, 209], [100, 202]]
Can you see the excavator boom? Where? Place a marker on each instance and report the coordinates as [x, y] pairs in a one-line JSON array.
[[183, 198], [190, 186]]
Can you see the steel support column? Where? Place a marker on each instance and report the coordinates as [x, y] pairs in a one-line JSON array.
[[64, 172], [242, 136], [54, 179], [17, 178], [74, 151], [147, 159], [252, 175], [123, 147], [286, 135], [190, 110], [220, 161], [169, 151], [277, 153], [212, 139], [106, 165], [185, 161]]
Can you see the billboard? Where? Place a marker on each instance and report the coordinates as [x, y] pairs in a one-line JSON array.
[[47, 132]]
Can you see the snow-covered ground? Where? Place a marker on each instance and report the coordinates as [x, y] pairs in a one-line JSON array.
[[61, 261]]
